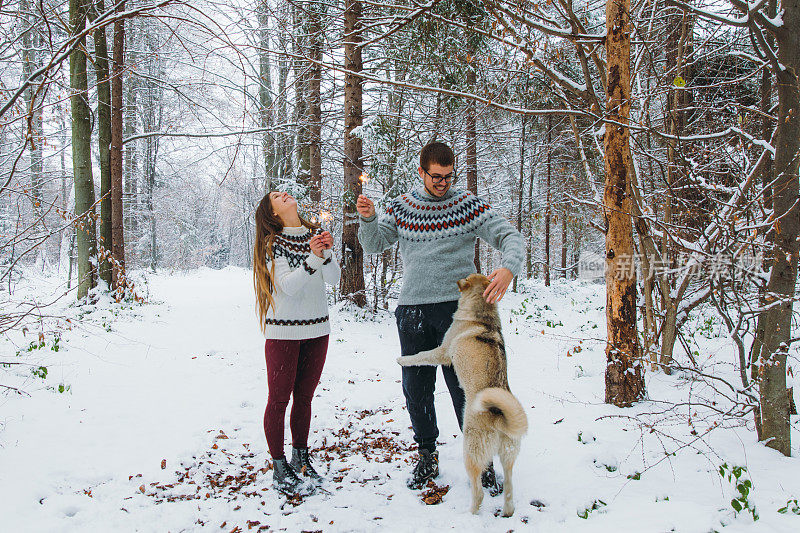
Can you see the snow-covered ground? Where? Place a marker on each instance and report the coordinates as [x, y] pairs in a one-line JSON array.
[[159, 427]]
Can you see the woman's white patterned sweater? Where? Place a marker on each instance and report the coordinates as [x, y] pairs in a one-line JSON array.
[[301, 307]]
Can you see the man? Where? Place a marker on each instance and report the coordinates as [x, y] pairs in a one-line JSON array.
[[437, 228]]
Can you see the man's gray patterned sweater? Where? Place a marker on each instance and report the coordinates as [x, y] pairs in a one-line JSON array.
[[437, 241]]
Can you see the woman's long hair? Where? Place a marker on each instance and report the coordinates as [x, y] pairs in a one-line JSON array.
[[268, 226]]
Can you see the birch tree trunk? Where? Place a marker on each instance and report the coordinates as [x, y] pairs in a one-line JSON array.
[[624, 373], [82, 154]]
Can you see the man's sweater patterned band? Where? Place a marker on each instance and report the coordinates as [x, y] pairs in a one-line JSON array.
[[437, 241], [420, 220], [301, 307]]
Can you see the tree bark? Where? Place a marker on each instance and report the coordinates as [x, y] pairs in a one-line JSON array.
[[82, 154], [564, 238], [284, 149], [33, 106], [265, 97], [315, 102], [117, 209], [152, 111], [352, 280], [520, 185], [131, 154], [679, 28], [104, 142], [472, 148], [301, 81], [783, 275], [548, 203], [766, 104], [624, 373]]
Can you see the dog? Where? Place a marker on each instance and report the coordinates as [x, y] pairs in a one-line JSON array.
[[494, 420]]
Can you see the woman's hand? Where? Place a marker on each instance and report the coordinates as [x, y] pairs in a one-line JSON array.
[[327, 239], [317, 244]]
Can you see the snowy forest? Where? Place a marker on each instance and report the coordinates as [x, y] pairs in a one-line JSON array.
[[647, 151]]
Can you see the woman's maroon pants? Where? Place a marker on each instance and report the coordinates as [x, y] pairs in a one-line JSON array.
[[293, 368]]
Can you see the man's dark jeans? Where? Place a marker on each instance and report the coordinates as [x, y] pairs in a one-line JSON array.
[[422, 327]]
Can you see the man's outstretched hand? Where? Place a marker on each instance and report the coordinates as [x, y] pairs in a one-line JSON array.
[[364, 206], [500, 280]]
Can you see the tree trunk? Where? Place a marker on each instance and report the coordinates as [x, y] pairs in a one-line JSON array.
[[564, 239], [472, 148], [265, 97], [33, 104], [352, 281], [117, 221], [131, 213], [104, 141], [548, 200], [675, 46], [521, 181], [301, 81], [529, 264], [152, 115], [783, 275], [315, 102], [284, 152], [624, 373], [82, 154], [767, 125]]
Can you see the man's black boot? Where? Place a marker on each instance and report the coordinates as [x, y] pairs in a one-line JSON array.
[[286, 480], [489, 481], [302, 465], [427, 467]]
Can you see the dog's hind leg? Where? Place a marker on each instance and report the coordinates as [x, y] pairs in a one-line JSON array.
[[437, 356], [474, 470], [477, 454], [509, 449]]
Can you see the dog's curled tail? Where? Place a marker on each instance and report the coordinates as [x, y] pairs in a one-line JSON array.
[[511, 418]]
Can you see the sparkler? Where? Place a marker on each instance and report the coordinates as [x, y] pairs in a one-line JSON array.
[[325, 217], [364, 178]]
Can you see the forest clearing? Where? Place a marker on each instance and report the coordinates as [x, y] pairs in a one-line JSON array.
[[223, 221]]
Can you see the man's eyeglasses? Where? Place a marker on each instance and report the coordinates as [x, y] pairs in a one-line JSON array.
[[438, 179]]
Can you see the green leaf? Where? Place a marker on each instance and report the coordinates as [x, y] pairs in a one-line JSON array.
[[736, 505], [679, 82]]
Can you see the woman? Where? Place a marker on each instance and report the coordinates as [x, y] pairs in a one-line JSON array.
[[292, 261]]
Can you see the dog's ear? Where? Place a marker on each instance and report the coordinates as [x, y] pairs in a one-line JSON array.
[[463, 285]]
